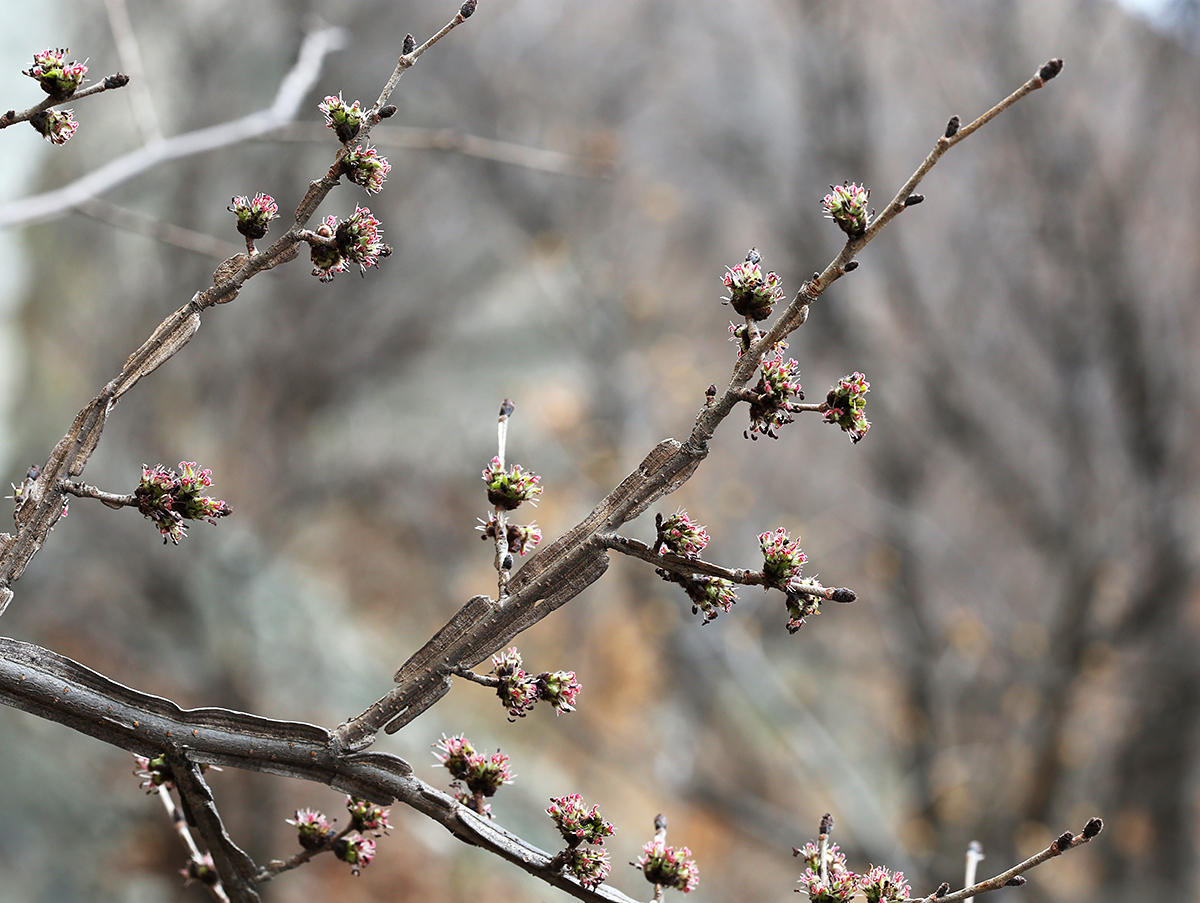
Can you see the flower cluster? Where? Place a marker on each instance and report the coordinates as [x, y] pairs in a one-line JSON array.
[[516, 689], [520, 538], [154, 773], [357, 239], [772, 405], [366, 816], [846, 205], [312, 828], [580, 826], [345, 120], [482, 775], [840, 885], [847, 402], [669, 867], [577, 823], [169, 498], [559, 688], [56, 126], [356, 850], [363, 166], [509, 488], [590, 865], [782, 559], [679, 535], [801, 605], [203, 870], [57, 77], [520, 691], [752, 294], [708, 594], [254, 215]]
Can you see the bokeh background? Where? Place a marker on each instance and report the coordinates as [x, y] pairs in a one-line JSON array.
[[1020, 522]]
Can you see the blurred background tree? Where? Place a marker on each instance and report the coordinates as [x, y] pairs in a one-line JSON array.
[[1020, 523]]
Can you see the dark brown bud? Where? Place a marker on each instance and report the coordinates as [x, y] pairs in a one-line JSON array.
[[507, 407], [850, 267], [387, 112], [826, 823], [842, 594], [913, 199], [1051, 69], [753, 256], [943, 889], [1092, 828], [1064, 842], [409, 45], [952, 126], [660, 822], [1015, 881], [468, 8], [120, 80]]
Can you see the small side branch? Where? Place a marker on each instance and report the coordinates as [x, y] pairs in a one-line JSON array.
[[86, 491]]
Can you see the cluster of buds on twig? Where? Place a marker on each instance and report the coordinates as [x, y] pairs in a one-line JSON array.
[[665, 866], [752, 294], [679, 535], [520, 691], [521, 538], [771, 404], [334, 245], [56, 126], [345, 119], [578, 825], [846, 205], [254, 215], [154, 773], [364, 166], [57, 77], [169, 499], [847, 402], [507, 489], [837, 884], [351, 845], [476, 776]]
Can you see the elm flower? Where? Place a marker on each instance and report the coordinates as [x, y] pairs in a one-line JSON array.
[[254, 216], [800, 605], [154, 773], [559, 688], [680, 535], [589, 865], [881, 886], [576, 823], [847, 402], [56, 126], [520, 538], [509, 488], [366, 816], [669, 867], [516, 689], [203, 870], [835, 859], [838, 887], [364, 166], [355, 849], [772, 406], [752, 294], [326, 259], [782, 559], [359, 239], [168, 499], [709, 594], [344, 120], [57, 77], [483, 775], [312, 828], [846, 205]]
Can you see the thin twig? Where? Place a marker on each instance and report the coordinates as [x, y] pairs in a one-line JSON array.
[[130, 52]]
